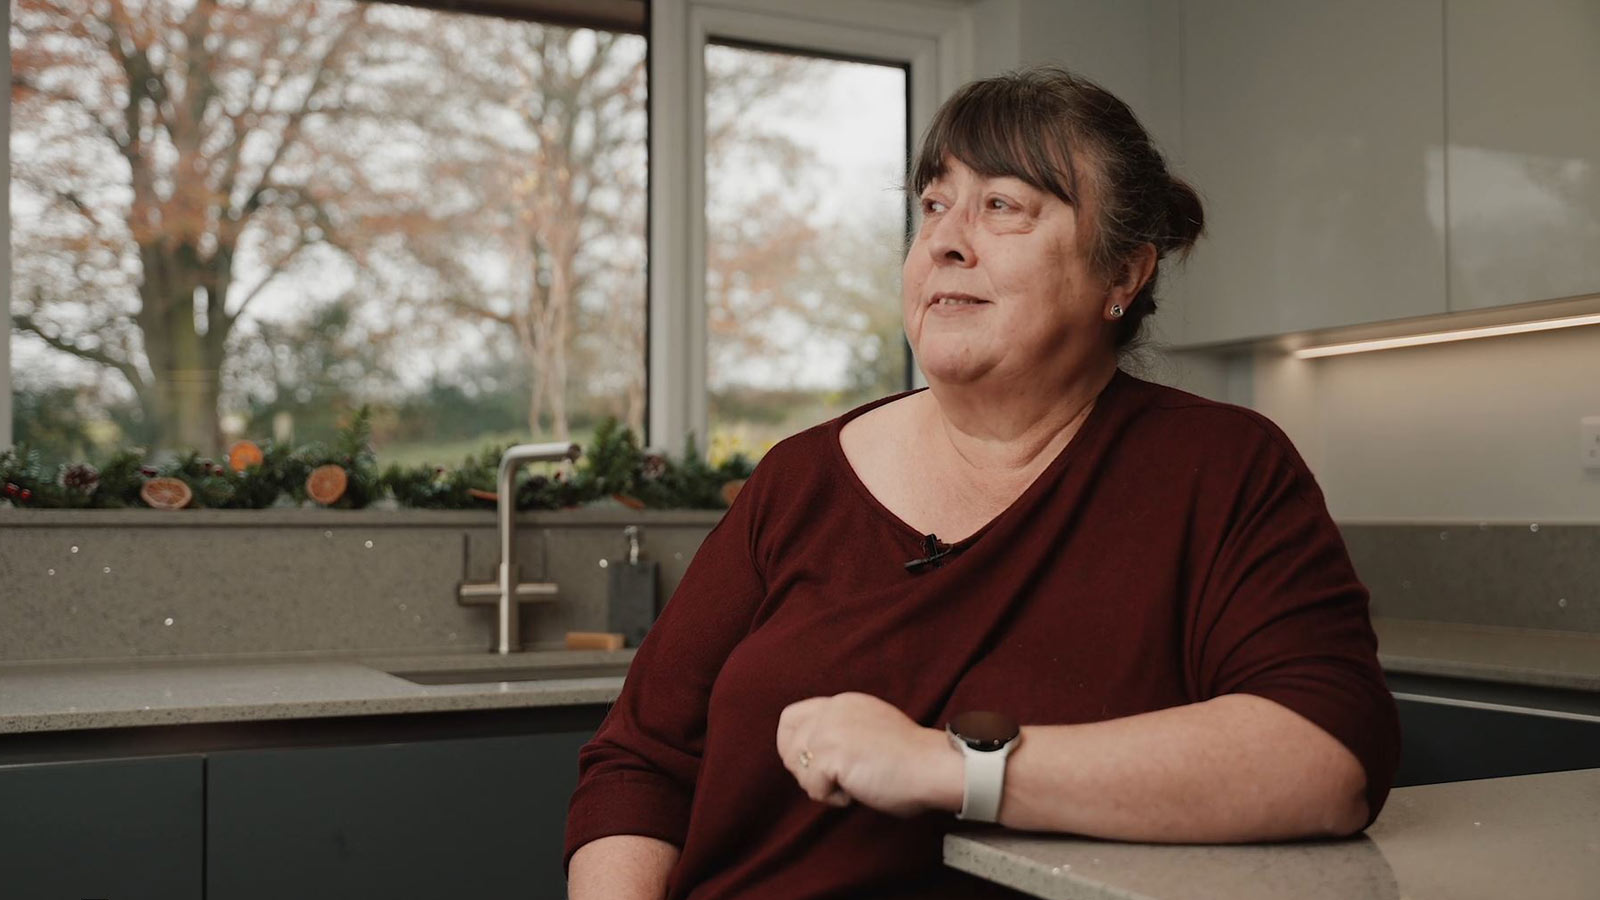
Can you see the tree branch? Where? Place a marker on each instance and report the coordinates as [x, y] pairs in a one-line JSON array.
[[274, 272], [466, 306], [319, 218], [24, 322], [291, 127], [199, 82], [21, 83], [72, 199], [136, 68]]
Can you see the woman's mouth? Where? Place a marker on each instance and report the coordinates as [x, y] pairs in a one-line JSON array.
[[946, 300]]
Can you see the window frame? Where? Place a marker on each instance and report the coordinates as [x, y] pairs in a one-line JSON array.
[[933, 39], [6, 431]]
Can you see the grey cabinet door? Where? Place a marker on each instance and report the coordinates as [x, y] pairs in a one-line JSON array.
[[1523, 151], [480, 817], [123, 829], [1314, 131]]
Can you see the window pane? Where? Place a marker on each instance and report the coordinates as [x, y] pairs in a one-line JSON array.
[[805, 219], [248, 219]]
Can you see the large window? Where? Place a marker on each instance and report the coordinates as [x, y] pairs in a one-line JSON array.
[[250, 217], [805, 225]]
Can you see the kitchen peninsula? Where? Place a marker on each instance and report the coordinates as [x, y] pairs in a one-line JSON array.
[[1530, 836]]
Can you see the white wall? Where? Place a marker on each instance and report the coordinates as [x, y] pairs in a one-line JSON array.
[[1483, 430], [996, 36]]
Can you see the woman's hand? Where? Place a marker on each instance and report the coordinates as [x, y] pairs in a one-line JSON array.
[[856, 748]]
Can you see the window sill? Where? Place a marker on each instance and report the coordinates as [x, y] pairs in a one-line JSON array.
[[287, 517]]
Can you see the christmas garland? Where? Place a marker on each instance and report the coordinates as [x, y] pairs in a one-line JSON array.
[[345, 475]]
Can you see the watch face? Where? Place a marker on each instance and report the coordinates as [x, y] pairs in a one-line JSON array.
[[985, 730]]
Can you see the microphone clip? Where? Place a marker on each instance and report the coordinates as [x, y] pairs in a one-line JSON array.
[[934, 554]]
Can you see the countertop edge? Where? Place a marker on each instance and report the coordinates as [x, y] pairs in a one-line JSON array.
[[1018, 872], [1489, 653], [576, 692], [1420, 665]]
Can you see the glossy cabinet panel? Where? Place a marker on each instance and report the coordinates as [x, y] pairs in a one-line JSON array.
[[482, 817], [1315, 132], [1523, 120], [1455, 729], [129, 829]]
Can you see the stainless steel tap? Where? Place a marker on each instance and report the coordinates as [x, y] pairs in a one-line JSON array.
[[509, 591]]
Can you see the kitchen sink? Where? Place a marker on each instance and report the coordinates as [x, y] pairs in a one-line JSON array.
[[515, 673]]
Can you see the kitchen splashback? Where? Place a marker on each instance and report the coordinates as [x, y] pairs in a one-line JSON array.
[[1522, 575], [101, 584]]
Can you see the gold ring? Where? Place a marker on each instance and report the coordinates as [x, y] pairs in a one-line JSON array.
[[805, 759]]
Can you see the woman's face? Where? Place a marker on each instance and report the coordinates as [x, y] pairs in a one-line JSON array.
[[996, 285]]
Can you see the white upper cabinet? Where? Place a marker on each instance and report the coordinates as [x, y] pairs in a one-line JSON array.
[[1523, 120], [1315, 133]]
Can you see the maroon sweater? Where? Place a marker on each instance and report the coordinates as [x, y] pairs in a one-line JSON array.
[[1176, 550]]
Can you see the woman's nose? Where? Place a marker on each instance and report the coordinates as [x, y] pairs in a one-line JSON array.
[[951, 240]]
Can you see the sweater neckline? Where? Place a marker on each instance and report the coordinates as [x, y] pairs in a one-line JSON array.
[[1051, 472]]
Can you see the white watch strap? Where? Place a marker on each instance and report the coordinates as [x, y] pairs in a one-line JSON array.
[[985, 783]]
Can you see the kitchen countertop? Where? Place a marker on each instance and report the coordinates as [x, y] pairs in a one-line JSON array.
[[1535, 836], [62, 696], [1561, 659]]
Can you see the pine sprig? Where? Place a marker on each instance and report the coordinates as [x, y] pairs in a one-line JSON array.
[[428, 486], [350, 449]]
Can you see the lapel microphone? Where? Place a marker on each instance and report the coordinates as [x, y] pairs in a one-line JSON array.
[[934, 554]]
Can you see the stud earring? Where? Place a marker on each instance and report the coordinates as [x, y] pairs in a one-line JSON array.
[[1116, 310]]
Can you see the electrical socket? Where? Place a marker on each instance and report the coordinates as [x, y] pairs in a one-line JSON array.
[[1589, 442]]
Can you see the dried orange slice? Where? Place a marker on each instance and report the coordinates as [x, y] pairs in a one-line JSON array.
[[166, 493], [731, 489], [244, 454], [326, 484]]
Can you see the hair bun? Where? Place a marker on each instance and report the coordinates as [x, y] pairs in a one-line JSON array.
[[1186, 219]]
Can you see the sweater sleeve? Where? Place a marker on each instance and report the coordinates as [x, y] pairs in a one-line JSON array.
[[637, 775], [1283, 616]]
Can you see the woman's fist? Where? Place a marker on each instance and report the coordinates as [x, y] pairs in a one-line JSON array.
[[857, 748]]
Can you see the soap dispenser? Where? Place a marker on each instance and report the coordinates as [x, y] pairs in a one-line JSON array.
[[631, 594]]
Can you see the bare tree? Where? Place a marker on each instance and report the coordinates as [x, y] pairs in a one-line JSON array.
[[559, 213], [180, 160], [776, 269], [162, 142], [563, 199]]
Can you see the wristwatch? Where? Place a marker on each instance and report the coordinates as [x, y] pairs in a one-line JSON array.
[[985, 739]]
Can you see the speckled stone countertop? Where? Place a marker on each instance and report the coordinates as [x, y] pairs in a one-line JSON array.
[[1564, 659], [61, 696], [1535, 836]]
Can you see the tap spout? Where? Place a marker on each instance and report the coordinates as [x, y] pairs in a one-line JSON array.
[[507, 609]]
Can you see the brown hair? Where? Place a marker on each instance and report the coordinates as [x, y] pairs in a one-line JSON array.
[[1028, 125]]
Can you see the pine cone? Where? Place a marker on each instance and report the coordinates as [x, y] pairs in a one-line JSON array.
[[655, 466], [80, 477]]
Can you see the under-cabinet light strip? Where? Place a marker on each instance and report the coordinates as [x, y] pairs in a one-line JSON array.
[[1464, 334]]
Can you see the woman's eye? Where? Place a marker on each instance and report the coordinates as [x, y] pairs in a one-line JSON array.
[[932, 206], [998, 203]]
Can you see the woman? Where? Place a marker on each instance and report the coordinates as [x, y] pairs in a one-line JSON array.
[[1147, 581]]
